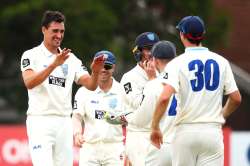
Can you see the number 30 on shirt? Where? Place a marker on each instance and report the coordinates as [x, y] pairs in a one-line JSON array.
[[206, 75]]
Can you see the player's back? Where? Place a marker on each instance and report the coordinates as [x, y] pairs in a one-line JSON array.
[[203, 78]]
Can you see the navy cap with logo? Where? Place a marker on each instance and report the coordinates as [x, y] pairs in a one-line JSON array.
[[164, 50], [192, 27], [110, 58], [146, 39]]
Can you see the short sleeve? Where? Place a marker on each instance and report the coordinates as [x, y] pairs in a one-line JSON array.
[[78, 106], [230, 84], [27, 61], [133, 90], [170, 75], [80, 70]]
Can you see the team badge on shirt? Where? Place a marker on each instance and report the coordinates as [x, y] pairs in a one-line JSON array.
[[25, 63], [65, 69], [128, 87], [113, 103]]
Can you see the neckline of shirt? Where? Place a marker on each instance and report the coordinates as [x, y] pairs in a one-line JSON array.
[[111, 90], [46, 52], [195, 49]]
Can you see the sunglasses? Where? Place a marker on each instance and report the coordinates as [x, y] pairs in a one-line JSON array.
[[108, 66]]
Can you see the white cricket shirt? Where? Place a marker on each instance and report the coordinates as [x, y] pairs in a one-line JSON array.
[[200, 78], [53, 96], [133, 83], [143, 116], [92, 105]]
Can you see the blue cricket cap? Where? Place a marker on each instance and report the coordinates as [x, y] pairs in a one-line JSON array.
[[164, 50], [109, 55], [192, 27], [146, 39]]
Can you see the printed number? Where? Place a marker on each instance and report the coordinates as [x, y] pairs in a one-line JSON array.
[[208, 74], [172, 108]]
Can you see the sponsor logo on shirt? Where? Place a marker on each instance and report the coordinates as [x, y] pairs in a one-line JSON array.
[[99, 114], [37, 147], [25, 63], [128, 87], [57, 81], [94, 102]]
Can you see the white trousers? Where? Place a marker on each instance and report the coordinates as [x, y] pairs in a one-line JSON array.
[[198, 145], [136, 147], [50, 140], [159, 157], [102, 154]]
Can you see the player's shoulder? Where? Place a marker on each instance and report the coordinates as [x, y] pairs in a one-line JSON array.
[[117, 86], [82, 91], [32, 51], [136, 73], [126, 77], [153, 85], [218, 56], [73, 58], [129, 73]]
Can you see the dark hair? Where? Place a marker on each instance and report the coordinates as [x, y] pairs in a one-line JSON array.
[[50, 16], [196, 42]]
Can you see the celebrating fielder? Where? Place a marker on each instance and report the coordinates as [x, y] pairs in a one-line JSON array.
[[48, 73], [134, 82], [199, 78], [101, 143]]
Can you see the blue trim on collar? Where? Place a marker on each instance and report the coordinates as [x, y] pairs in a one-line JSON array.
[[195, 49]]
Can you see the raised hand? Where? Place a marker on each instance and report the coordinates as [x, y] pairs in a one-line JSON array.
[[98, 63], [61, 57], [149, 68]]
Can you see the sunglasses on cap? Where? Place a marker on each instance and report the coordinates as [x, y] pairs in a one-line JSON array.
[[108, 66]]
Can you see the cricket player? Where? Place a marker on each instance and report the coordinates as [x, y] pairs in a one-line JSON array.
[[162, 52], [48, 73], [133, 82], [200, 78], [101, 143]]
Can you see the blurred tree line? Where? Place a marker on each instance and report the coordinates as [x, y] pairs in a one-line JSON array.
[[93, 25]]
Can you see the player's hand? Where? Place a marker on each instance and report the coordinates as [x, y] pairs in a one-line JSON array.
[[61, 57], [150, 69], [116, 119], [98, 63], [156, 138], [78, 140]]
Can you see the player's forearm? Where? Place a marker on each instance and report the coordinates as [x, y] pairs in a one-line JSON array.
[[77, 123], [233, 102], [159, 112], [33, 79], [90, 82]]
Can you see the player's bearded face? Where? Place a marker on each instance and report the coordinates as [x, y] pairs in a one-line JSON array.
[[53, 35]]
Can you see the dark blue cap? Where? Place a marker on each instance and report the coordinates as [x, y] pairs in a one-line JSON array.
[[146, 39], [164, 50], [192, 27], [110, 58]]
